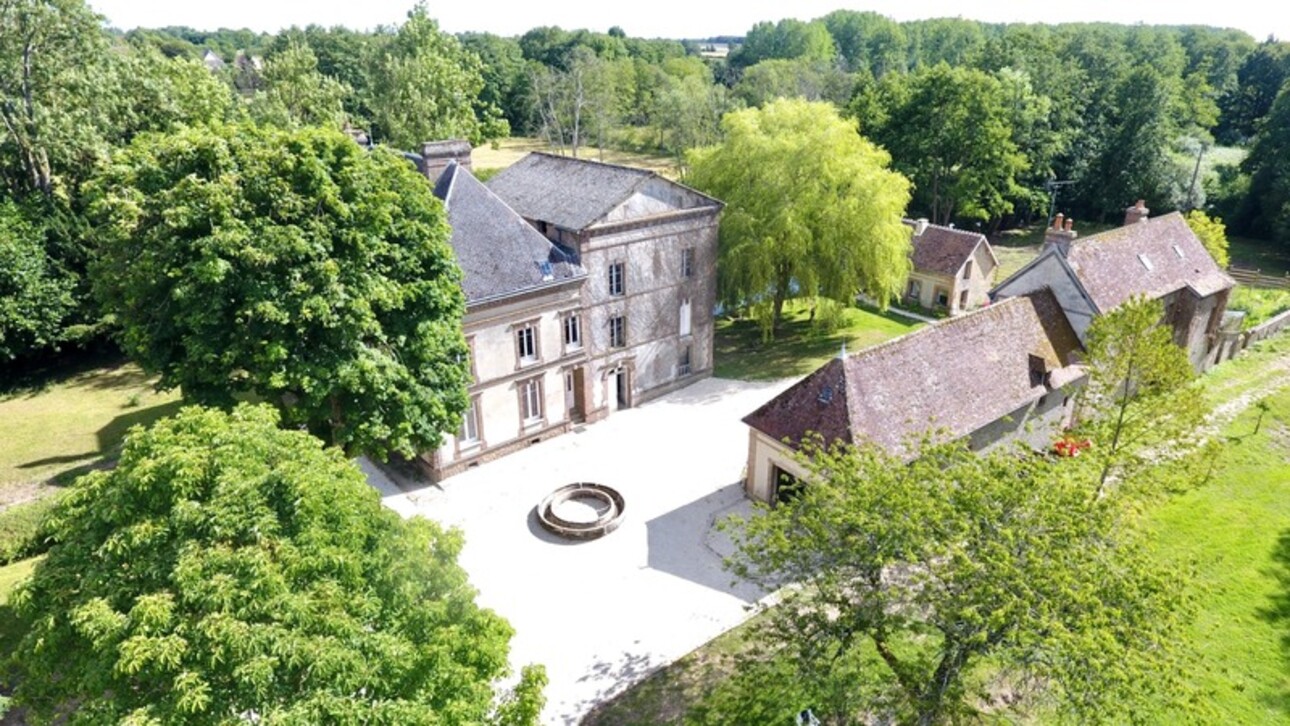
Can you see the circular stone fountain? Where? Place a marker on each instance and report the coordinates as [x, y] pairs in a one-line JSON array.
[[581, 511]]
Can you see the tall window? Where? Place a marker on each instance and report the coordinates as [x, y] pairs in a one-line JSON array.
[[572, 331], [531, 400], [526, 344], [617, 271], [683, 362], [469, 433], [617, 331], [915, 290], [685, 316], [687, 262], [967, 270]]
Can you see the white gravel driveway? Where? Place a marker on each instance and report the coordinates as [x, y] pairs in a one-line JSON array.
[[602, 615]]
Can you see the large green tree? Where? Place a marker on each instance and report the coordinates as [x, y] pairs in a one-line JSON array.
[[229, 568], [424, 86], [1266, 211], [926, 584], [948, 130], [296, 93], [53, 63], [811, 209], [292, 265]]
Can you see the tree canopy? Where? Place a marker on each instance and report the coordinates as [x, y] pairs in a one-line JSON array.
[[811, 209], [1139, 407], [924, 585], [295, 266], [1266, 211], [35, 296], [227, 567]]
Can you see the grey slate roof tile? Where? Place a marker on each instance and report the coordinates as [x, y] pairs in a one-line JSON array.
[[499, 253]]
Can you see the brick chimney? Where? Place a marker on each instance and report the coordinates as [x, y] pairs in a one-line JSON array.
[[436, 155], [1060, 235], [1137, 213]]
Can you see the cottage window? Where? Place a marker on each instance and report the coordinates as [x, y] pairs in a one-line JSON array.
[[687, 262], [683, 362], [963, 300], [617, 271], [572, 332], [617, 331], [469, 433], [967, 270], [915, 290], [526, 344], [531, 401], [685, 316], [942, 297]]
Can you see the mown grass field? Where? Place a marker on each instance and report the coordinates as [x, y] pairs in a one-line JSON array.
[[73, 421], [1234, 531], [799, 347], [511, 150]]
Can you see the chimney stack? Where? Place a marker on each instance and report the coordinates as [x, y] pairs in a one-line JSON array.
[[1137, 213], [437, 155], [1060, 235]]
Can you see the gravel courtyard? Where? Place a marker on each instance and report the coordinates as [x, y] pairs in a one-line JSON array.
[[601, 615]]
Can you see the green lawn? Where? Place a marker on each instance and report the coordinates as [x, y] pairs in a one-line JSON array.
[[1266, 257], [1236, 533], [799, 347], [72, 422]]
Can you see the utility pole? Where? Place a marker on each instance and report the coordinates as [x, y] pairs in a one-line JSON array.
[[1191, 191], [1052, 186]]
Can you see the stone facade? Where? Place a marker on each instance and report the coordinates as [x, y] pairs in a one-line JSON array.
[[576, 307]]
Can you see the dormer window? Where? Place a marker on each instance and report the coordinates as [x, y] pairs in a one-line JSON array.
[[1178, 251], [1146, 262], [547, 273]]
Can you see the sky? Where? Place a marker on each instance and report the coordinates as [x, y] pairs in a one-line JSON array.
[[680, 18]]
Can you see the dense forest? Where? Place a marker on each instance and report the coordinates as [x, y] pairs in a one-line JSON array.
[[990, 122]]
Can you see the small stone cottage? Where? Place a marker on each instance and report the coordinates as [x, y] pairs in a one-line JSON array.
[[953, 268]]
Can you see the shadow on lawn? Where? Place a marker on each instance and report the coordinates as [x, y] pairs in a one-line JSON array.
[[109, 438], [1278, 612]]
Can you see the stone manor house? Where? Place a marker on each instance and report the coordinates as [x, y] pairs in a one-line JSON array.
[[589, 288]]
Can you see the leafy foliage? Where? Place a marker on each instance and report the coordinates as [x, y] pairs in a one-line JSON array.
[[1139, 408], [1212, 233], [425, 86], [948, 130], [920, 579], [297, 94], [812, 209], [292, 265], [228, 567], [35, 295], [1267, 209]]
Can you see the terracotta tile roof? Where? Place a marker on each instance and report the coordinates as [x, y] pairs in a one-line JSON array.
[[958, 375], [1152, 258], [500, 254], [943, 250]]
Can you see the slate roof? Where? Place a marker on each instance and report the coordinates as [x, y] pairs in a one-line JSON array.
[[943, 250], [499, 253], [958, 375], [567, 192], [1110, 267]]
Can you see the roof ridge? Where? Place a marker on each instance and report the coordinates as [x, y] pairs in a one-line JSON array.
[[934, 326], [635, 169]]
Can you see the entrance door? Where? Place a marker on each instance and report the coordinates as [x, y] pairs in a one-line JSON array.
[[619, 389], [575, 394]]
